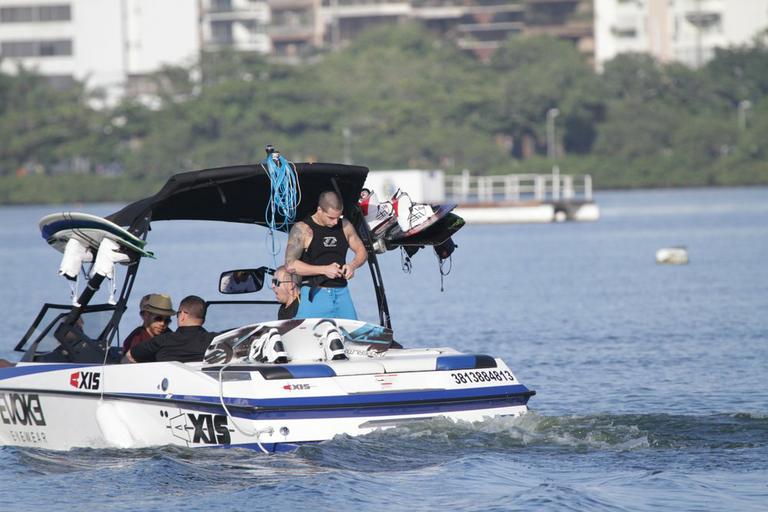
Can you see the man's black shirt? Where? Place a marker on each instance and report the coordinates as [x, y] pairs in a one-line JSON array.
[[187, 344], [289, 311]]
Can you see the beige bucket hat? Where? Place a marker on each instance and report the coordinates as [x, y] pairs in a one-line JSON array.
[[159, 304]]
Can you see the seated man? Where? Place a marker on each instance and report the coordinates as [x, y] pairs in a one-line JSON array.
[[317, 247], [286, 287], [155, 310], [187, 344]]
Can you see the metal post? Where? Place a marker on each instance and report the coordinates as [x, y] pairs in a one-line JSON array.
[[346, 133], [508, 184], [743, 108], [464, 184], [555, 183], [588, 187], [568, 190], [552, 152], [516, 188], [540, 187], [551, 148]]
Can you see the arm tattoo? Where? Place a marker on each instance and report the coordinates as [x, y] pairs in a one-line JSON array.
[[295, 247]]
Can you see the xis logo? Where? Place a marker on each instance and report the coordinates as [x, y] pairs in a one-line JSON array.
[[199, 428], [85, 380], [330, 241], [296, 387]]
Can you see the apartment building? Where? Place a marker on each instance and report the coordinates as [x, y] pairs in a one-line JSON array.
[[237, 24], [113, 44], [478, 26], [686, 31], [106, 43], [285, 28]]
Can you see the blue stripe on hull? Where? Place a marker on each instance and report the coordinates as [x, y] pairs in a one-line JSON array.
[[18, 371], [361, 399], [398, 410], [445, 403], [310, 371]]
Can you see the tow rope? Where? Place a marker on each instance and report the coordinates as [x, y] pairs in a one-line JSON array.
[[284, 197]]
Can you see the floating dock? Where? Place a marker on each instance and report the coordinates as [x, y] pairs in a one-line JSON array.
[[499, 199]]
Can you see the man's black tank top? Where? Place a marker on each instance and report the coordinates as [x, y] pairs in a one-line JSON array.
[[328, 245]]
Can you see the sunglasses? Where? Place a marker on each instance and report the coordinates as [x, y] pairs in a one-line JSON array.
[[276, 282], [164, 319]]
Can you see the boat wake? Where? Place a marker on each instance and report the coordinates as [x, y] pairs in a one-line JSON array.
[[444, 439], [590, 432], [601, 432], [519, 454]]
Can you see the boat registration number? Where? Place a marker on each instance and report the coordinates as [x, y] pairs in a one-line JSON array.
[[470, 377]]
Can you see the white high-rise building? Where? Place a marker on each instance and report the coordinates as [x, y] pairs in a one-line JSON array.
[[114, 44], [103, 42], [686, 31]]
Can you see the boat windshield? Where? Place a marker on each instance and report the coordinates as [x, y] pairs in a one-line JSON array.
[[40, 336], [225, 315]]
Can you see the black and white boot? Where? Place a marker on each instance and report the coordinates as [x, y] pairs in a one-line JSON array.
[[268, 348], [331, 340]]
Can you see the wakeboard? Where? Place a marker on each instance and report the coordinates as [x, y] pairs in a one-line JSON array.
[[434, 231], [58, 228]]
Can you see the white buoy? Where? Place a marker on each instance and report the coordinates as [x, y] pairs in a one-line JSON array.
[[672, 256]]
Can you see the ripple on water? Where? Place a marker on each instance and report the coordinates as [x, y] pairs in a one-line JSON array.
[[524, 463]]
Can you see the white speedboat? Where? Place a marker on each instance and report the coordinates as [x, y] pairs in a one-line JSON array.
[[335, 376]]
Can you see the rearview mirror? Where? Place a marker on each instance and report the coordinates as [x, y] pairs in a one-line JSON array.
[[242, 280]]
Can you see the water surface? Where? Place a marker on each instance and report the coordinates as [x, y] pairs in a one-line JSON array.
[[650, 379]]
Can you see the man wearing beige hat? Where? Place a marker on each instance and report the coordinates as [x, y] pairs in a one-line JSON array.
[[187, 344], [155, 310]]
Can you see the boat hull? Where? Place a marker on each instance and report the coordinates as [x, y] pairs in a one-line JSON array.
[[64, 406]]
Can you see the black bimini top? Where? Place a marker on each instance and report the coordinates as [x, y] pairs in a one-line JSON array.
[[238, 193]]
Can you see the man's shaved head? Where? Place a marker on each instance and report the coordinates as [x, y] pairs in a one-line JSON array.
[[329, 200]]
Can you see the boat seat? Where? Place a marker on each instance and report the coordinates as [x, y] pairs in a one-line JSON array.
[[442, 362], [465, 362]]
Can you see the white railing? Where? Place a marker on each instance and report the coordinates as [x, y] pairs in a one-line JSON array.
[[518, 187]]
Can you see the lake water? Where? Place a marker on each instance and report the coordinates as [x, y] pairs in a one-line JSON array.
[[651, 379]]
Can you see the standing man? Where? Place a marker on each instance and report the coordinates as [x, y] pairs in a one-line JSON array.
[[155, 310], [317, 248], [187, 344]]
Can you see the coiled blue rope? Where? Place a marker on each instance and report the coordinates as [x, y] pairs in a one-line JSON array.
[[285, 196]]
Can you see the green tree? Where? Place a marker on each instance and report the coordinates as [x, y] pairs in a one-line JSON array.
[[533, 75], [43, 125]]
